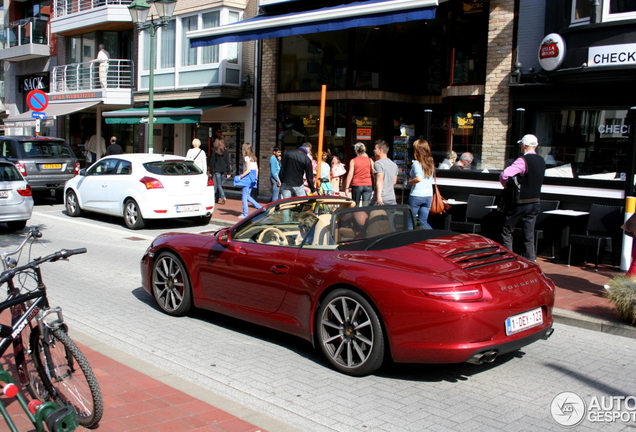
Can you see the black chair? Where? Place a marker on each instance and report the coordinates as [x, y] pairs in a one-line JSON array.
[[540, 225], [602, 226], [476, 210]]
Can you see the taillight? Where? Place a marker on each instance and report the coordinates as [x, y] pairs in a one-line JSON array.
[[26, 191], [77, 168], [151, 183], [458, 293], [210, 181], [22, 168]]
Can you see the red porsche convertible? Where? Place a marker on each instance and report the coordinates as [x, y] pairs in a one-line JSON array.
[[358, 283]]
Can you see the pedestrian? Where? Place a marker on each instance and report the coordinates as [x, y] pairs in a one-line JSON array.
[[295, 167], [102, 57], [197, 155], [274, 170], [385, 175], [421, 181], [219, 167], [95, 148], [113, 148], [359, 182], [251, 170], [464, 162], [338, 171], [529, 170]]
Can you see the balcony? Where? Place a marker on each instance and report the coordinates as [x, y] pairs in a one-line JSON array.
[[25, 39], [72, 17], [84, 82]]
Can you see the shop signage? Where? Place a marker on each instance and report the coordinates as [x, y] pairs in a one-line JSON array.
[[35, 83], [474, 6], [364, 122], [363, 134], [310, 122], [464, 121], [614, 129], [551, 52], [74, 96], [611, 55]]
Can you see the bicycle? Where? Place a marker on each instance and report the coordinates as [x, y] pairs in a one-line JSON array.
[[53, 367]]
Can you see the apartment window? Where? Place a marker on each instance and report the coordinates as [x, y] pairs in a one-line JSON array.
[[164, 50], [189, 54], [615, 10], [210, 53], [581, 11], [233, 48]]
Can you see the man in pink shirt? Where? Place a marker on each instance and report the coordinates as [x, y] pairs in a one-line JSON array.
[[529, 170]]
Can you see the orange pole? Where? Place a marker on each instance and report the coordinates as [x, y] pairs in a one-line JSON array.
[[321, 129]]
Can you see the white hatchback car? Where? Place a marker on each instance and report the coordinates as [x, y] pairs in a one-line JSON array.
[[16, 197], [142, 186]]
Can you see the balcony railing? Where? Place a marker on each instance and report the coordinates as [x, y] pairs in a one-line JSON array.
[[66, 7], [113, 74], [25, 31]]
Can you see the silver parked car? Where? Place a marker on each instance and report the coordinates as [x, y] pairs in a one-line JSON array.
[[16, 197]]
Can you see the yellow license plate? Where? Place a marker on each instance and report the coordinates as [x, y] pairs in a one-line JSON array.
[[52, 166]]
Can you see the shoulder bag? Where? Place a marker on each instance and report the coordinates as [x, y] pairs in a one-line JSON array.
[[438, 206]]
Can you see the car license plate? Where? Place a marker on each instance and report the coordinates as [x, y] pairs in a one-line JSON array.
[[187, 208], [524, 321], [52, 166], [4, 194]]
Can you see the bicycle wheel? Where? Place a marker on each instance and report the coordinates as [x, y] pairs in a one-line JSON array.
[[24, 361], [68, 375]]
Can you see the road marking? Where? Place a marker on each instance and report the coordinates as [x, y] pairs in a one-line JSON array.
[[92, 225]]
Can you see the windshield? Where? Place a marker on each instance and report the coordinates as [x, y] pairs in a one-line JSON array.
[[46, 149], [173, 168]]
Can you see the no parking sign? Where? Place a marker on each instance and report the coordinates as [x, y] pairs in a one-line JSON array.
[[37, 100]]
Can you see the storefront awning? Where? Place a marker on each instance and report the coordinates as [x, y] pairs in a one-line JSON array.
[[52, 111], [356, 14], [161, 115]]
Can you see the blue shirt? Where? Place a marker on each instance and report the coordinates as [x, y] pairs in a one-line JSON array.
[[423, 188], [274, 168]]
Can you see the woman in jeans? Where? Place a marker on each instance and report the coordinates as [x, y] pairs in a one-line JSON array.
[[360, 178], [421, 181], [220, 167], [251, 170]]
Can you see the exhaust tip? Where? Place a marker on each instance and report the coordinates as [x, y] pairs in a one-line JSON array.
[[548, 334]]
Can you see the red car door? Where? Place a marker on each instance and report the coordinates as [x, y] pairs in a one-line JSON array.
[[248, 275]]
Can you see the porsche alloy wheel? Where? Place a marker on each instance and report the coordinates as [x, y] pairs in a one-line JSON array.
[[132, 215], [350, 334], [171, 285]]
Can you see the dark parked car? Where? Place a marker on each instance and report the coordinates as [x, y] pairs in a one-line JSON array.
[[358, 283], [45, 162]]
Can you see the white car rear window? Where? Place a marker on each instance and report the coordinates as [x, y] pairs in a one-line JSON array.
[[173, 168]]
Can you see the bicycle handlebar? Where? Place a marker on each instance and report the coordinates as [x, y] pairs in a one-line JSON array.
[[61, 254]]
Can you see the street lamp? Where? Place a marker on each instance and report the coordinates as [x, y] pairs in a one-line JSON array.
[[139, 12]]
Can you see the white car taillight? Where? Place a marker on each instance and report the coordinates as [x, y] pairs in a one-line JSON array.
[[26, 192], [151, 183]]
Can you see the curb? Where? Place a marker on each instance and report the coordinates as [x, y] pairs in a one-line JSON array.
[[576, 319]]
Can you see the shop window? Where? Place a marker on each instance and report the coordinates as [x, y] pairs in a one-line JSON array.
[[585, 144]]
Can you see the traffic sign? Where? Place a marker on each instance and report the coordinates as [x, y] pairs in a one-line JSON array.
[[37, 100], [38, 115]]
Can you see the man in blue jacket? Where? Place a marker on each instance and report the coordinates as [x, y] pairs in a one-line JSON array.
[[274, 169], [295, 167]]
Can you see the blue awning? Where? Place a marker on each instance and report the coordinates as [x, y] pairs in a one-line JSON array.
[[356, 14]]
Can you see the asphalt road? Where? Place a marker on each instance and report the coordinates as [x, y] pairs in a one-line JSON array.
[[283, 378]]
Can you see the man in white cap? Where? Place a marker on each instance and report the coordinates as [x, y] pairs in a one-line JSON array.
[[529, 170]]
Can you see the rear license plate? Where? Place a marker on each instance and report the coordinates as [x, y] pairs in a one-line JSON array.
[[524, 321], [188, 208], [4, 194], [52, 166]]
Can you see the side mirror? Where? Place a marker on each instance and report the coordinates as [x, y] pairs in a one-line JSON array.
[[224, 237], [82, 172]]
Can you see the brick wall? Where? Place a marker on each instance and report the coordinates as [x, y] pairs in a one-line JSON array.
[[268, 111], [497, 93]]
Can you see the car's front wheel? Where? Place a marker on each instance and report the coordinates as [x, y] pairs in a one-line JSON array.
[[171, 284], [72, 204], [349, 333], [132, 215]]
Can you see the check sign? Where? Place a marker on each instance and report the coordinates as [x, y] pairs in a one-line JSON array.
[[38, 114]]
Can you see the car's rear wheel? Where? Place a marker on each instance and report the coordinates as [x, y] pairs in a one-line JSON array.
[[16, 225], [349, 333], [72, 204], [132, 215], [203, 220], [171, 284]]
